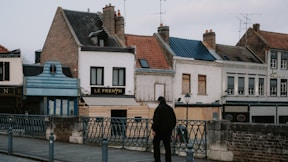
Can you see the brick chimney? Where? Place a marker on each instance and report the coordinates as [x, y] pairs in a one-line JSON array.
[[109, 18], [120, 27], [256, 27], [163, 31], [210, 38]]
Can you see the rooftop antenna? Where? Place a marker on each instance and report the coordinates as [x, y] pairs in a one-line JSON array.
[[246, 22], [125, 12], [161, 21]]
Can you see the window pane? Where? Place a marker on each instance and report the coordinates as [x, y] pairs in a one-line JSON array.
[[99, 76], [64, 107], [251, 86], [261, 86], [93, 76], [115, 77], [273, 87], [185, 83], [121, 77], [240, 85], [230, 89]]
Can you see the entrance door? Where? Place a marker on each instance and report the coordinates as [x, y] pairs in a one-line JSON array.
[[118, 122]]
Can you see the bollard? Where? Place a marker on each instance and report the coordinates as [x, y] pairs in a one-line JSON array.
[[10, 141], [104, 150], [190, 153], [51, 147]]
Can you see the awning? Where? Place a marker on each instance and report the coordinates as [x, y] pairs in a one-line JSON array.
[[109, 101]]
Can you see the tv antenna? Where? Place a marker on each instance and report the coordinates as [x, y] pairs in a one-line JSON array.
[[161, 21], [245, 20]]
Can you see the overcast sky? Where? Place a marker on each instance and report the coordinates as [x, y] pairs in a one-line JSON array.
[[25, 23]]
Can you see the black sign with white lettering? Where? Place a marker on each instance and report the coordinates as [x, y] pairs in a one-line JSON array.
[[112, 91]]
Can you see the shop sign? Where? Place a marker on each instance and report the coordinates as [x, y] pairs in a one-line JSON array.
[[112, 91]]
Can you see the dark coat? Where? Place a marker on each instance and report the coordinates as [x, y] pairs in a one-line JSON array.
[[164, 119]]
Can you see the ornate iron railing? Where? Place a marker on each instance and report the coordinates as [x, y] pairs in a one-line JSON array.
[[135, 133], [24, 125]]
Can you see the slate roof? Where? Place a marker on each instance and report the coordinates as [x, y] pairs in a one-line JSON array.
[[85, 23], [190, 48], [236, 53], [148, 48], [275, 40]]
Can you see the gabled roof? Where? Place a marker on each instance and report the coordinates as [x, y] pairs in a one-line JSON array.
[[84, 24], [236, 53], [148, 48], [275, 40], [190, 48]]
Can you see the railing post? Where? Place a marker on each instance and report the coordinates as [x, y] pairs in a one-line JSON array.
[[190, 153], [104, 150], [10, 141], [51, 147]]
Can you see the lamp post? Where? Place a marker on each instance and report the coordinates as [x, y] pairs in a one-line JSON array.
[[187, 99]]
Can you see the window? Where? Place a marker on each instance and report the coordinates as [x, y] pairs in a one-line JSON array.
[[202, 84], [283, 87], [4, 71], [241, 85], [144, 63], [251, 86], [273, 60], [284, 58], [230, 90], [118, 76], [273, 87], [61, 106], [186, 83], [261, 86], [96, 75]]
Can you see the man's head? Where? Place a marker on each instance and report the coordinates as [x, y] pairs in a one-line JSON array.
[[161, 99]]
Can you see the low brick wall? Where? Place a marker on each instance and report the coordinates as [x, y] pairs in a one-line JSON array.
[[63, 128], [247, 142]]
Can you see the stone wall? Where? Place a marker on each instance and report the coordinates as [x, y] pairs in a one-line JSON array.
[[247, 142]]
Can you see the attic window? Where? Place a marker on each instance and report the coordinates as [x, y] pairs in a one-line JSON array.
[[52, 68], [144, 63]]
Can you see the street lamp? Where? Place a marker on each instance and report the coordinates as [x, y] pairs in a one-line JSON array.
[[187, 99]]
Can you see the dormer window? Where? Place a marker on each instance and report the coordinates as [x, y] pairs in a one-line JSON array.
[[52, 68], [98, 38], [144, 63]]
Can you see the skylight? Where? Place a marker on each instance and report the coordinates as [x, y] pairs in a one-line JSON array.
[[144, 63]]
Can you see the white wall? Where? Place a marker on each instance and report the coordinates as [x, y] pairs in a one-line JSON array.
[[16, 71], [108, 60], [146, 90], [212, 70]]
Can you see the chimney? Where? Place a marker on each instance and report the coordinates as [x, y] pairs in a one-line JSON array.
[[256, 27], [210, 38], [120, 26], [109, 18], [163, 31]]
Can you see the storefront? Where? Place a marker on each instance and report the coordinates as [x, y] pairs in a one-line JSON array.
[[52, 92]]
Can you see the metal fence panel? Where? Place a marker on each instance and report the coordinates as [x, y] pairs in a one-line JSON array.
[[24, 125], [135, 133]]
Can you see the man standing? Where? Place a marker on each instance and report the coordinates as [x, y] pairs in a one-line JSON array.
[[164, 121]]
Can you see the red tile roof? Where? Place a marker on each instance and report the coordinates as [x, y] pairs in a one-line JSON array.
[[147, 47], [3, 49], [275, 40]]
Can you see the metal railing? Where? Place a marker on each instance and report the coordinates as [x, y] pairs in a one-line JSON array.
[[135, 133], [24, 125]]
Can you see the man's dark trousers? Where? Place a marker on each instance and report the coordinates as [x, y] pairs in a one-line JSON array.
[[165, 137]]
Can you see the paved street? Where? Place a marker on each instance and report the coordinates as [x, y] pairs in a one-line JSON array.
[[39, 150]]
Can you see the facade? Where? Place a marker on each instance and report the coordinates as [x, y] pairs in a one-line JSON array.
[[196, 73], [11, 81], [154, 75], [252, 91], [50, 90], [93, 46]]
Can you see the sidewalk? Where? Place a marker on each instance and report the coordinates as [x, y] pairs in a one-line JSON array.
[[38, 149]]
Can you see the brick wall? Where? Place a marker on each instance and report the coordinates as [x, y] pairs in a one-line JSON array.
[[247, 142], [60, 44]]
